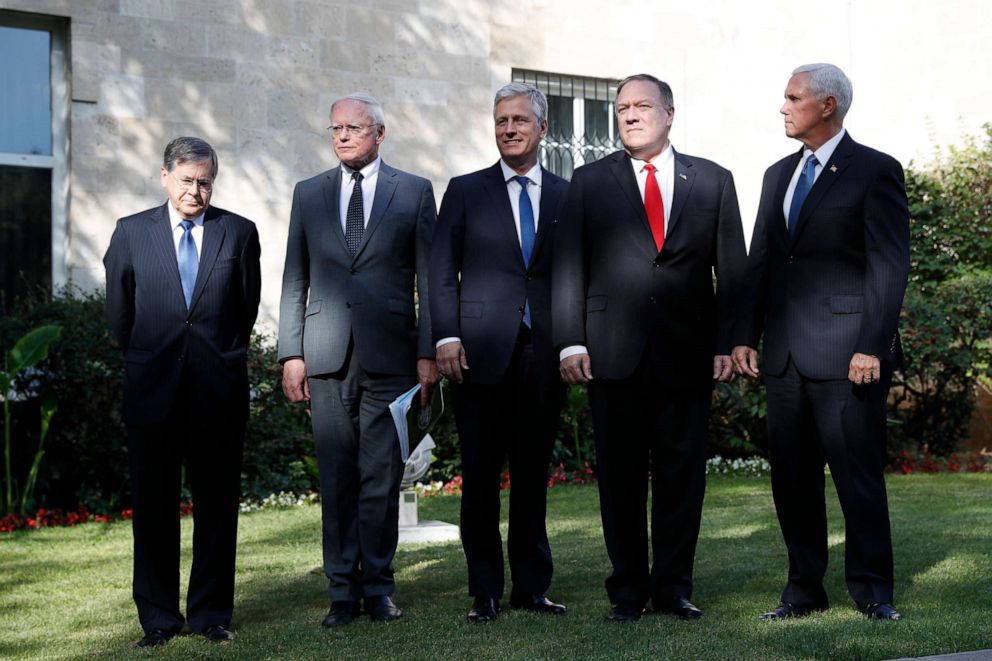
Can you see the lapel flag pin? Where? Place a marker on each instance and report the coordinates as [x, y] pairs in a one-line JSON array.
[[833, 168], [682, 175]]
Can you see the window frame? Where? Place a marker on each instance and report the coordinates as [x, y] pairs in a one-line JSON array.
[[58, 162]]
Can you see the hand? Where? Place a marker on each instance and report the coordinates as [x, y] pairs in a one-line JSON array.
[[723, 369], [745, 361], [427, 378], [294, 380], [576, 369], [451, 360], [864, 370]]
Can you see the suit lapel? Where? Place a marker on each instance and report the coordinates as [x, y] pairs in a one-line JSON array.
[[623, 172], [832, 171], [550, 192], [331, 187], [160, 232], [213, 238], [495, 187], [681, 187], [385, 186]]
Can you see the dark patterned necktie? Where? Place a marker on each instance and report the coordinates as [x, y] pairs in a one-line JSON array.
[[354, 226]]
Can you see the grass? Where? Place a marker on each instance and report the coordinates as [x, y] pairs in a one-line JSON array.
[[65, 593]]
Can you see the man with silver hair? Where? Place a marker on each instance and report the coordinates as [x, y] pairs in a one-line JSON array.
[[491, 313], [828, 269], [351, 340]]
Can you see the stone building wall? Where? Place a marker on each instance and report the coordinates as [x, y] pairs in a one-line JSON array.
[[256, 78]]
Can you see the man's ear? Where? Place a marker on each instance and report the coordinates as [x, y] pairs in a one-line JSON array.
[[829, 107]]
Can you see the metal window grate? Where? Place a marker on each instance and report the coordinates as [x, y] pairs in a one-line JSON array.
[[582, 124]]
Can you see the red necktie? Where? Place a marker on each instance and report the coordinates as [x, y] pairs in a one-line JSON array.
[[655, 207]]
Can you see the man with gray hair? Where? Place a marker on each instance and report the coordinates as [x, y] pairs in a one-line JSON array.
[[351, 340], [828, 269], [183, 287], [491, 312]]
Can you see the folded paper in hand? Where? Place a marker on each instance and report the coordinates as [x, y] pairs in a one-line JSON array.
[[413, 420]]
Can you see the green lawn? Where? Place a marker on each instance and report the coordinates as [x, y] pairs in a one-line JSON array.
[[65, 593]]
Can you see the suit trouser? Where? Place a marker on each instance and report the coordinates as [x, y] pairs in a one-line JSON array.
[[810, 422], [640, 426], [515, 419], [358, 457], [212, 446]]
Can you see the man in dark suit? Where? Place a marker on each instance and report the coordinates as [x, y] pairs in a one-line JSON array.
[[491, 313], [828, 268], [183, 287], [634, 305], [350, 342]]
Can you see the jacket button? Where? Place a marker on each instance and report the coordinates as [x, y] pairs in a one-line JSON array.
[[652, 299], [347, 305], [529, 278], [352, 271], [189, 323], [792, 259], [520, 309]]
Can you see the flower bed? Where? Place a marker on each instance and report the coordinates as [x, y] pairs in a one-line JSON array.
[[906, 463]]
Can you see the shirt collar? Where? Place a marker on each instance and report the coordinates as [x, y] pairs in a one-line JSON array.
[[826, 150], [175, 217], [660, 162], [367, 171], [534, 174]]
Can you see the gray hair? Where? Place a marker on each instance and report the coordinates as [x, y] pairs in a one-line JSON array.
[[375, 108], [189, 150], [828, 80], [664, 89], [538, 101]]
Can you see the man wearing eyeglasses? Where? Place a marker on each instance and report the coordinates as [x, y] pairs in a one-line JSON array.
[[351, 341], [183, 285]]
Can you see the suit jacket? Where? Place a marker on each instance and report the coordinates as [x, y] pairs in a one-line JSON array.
[[478, 279], [330, 297], [166, 345], [615, 293], [836, 288]]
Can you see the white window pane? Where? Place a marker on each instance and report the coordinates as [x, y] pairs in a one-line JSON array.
[[26, 101]]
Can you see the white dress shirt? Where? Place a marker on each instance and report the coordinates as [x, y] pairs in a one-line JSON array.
[[371, 175], [175, 219], [823, 155]]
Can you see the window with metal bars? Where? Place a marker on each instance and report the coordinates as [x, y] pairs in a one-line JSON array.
[[582, 126]]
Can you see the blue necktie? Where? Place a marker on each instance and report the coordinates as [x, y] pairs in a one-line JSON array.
[[805, 183], [527, 233], [189, 263]]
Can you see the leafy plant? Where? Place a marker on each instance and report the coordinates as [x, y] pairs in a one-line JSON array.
[[25, 354]]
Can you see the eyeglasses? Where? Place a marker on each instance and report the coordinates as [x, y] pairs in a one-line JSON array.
[[186, 185], [349, 129]]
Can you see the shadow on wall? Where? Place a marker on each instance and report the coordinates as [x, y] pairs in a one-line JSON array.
[[257, 83]]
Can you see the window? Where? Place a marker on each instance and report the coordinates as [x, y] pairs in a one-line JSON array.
[[582, 126], [33, 153]]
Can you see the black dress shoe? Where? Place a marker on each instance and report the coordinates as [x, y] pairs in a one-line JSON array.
[[536, 603], [341, 613], [484, 609], [786, 610], [218, 634], [156, 637], [680, 607], [382, 609], [625, 613], [883, 611]]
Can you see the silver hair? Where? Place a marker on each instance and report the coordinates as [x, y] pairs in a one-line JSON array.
[[664, 89], [375, 109], [828, 80], [189, 150], [538, 101]]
